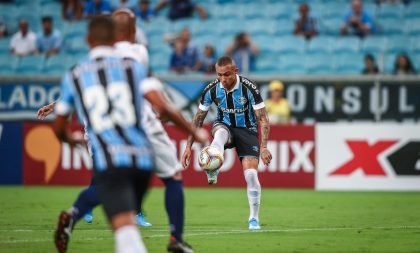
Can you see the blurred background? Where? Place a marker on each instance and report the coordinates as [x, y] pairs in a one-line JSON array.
[[339, 78]]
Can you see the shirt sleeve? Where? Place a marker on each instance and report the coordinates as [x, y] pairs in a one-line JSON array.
[[205, 101], [66, 103], [150, 84], [256, 100]]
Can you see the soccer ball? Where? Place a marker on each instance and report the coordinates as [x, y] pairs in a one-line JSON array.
[[210, 159]]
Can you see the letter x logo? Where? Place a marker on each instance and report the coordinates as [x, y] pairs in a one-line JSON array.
[[365, 157]]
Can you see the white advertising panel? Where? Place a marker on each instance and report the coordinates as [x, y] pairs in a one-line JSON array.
[[368, 157]]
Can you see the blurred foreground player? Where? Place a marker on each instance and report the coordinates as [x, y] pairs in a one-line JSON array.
[[167, 167], [107, 92], [240, 109]]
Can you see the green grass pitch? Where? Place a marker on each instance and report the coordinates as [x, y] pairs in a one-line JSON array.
[[216, 221]]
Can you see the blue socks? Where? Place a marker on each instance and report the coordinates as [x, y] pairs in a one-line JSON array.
[[87, 200], [174, 204]]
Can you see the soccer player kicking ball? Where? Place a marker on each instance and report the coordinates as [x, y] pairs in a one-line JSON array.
[[240, 109]]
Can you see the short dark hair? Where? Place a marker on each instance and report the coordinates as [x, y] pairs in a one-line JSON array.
[[102, 29], [369, 57], [225, 60], [46, 19]]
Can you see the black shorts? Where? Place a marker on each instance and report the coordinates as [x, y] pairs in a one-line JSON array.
[[243, 139], [121, 189]]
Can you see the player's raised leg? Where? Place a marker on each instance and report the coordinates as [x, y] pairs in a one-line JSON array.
[[221, 136]]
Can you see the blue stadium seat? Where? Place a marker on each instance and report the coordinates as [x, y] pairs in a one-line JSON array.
[[391, 11], [397, 44], [319, 64], [210, 26], [250, 11], [261, 27], [280, 10], [346, 45], [348, 63], [8, 64], [412, 11], [4, 46], [320, 44], [30, 65], [416, 61], [392, 27], [231, 11], [414, 28], [76, 46], [292, 64], [330, 26], [232, 27], [289, 45], [57, 64], [267, 64], [75, 29], [284, 27], [335, 10], [264, 43], [389, 61], [374, 44], [8, 9], [415, 45]]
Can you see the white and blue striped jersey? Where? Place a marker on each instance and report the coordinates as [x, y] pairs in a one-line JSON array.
[[234, 108], [107, 92]]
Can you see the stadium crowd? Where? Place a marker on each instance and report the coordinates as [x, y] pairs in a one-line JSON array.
[[281, 37]]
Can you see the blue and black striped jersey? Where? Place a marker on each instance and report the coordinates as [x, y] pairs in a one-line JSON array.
[[107, 92], [235, 108]]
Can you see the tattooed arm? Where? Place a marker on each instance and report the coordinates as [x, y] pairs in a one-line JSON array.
[[197, 122], [262, 117]]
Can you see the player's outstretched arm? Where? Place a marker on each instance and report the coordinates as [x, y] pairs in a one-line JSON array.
[[44, 111], [60, 127], [197, 122], [262, 117], [167, 111]]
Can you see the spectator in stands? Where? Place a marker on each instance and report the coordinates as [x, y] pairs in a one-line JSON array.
[[96, 7], [403, 65], [3, 31], [306, 25], [126, 4], [71, 10], [244, 52], [191, 51], [48, 41], [370, 65], [208, 59], [178, 62], [24, 41], [277, 106], [358, 21], [145, 12], [179, 9]]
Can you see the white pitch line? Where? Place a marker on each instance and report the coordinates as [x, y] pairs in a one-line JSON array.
[[240, 231]]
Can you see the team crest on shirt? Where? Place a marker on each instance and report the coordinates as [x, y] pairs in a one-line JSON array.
[[242, 100]]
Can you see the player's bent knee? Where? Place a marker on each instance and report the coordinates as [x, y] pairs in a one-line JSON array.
[[249, 162], [123, 219]]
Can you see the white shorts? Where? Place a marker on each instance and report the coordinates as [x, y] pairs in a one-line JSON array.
[[167, 163]]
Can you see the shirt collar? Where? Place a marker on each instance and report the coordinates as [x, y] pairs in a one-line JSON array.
[[234, 87], [101, 51]]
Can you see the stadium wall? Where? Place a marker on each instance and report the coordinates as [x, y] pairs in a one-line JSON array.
[[336, 155]]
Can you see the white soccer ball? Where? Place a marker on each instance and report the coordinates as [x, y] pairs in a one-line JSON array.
[[210, 159]]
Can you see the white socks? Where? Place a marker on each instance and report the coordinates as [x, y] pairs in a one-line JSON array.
[[253, 191], [221, 137], [128, 240]]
